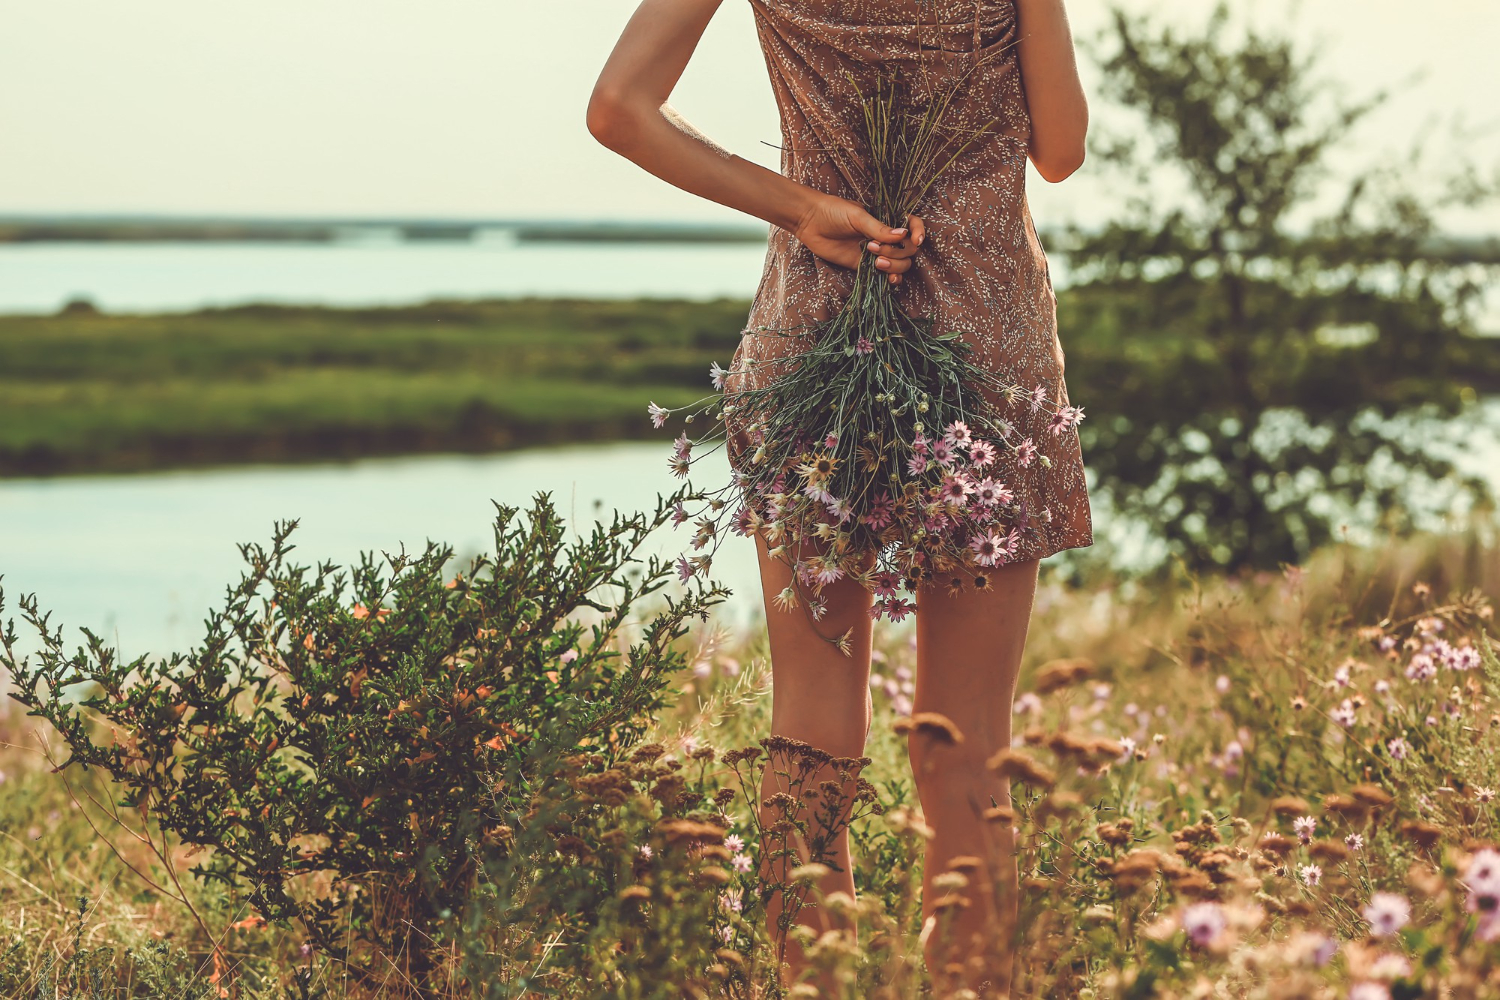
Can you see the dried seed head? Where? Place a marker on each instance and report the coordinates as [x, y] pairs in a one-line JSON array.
[[809, 873], [933, 725], [1328, 851], [1058, 674], [1018, 766], [1372, 795]]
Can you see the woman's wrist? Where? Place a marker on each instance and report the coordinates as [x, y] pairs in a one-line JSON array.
[[799, 203]]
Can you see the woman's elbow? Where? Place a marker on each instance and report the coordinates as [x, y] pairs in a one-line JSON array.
[[1058, 168], [608, 116]]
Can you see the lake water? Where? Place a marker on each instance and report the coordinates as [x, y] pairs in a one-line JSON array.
[[383, 270], [170, 277], [141, 558]]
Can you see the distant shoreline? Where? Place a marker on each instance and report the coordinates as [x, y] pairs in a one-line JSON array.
[[149, 229], [83, 392]]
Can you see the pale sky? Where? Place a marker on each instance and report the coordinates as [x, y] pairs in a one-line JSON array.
[[476, 107]]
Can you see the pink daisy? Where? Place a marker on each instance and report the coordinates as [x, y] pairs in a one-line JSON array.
[[987, 548], [1025, 453], [880, 513], [958, 434], [896, 609], [956, 490], [981, 453]]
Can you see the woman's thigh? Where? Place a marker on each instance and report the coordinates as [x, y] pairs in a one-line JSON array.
[[969, 648]]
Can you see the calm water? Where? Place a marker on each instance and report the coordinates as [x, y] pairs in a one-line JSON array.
[[172, 277], [142, 558]]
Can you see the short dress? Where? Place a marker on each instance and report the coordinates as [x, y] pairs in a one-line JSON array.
[[981, 269]]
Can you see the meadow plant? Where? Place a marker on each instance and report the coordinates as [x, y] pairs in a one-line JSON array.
[[345, 746], [1195, 810]]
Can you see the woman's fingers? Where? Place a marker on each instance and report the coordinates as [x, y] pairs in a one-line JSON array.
[[875, 230], [902, 249], [895, 251]]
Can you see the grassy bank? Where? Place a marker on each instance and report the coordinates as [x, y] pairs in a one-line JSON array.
[[84, 392], [1241, 707]]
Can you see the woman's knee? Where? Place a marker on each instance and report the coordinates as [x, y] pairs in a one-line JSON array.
[[946, 774], [841, 735]]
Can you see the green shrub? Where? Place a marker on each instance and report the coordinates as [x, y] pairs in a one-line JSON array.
[[346, 744]]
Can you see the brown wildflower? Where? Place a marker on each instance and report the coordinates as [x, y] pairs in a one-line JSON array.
[[1131, 872], [1116, 834], [933, 725], [1290, 805], [1193, 883], [714, 875], [1018, 766], [1328, 851], [683, 830], [647, 752], [1346, 806], [1216, 863], [1058, 674], [1000, 814], [1422, 833], [1058, 804], [1275, 843], [1066, 745], [1372, 795]]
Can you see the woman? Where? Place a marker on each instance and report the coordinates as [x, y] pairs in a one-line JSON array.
[[971, 261]]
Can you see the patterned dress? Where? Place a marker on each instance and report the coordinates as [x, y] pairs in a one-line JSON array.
[[981, 269]]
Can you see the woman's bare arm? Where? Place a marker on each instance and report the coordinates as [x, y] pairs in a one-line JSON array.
[[1054, 94], [629, 113]]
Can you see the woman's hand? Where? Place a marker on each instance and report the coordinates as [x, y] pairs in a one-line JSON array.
[[841, 232]]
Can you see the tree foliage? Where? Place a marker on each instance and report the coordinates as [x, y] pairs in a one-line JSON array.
[[1254, 383]]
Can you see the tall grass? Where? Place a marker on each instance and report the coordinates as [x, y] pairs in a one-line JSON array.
[[1174, 743]]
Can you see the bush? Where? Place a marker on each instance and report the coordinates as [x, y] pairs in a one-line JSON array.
[[346, 744]]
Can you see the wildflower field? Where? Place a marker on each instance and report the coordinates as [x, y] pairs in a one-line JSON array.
[[1268, 785]]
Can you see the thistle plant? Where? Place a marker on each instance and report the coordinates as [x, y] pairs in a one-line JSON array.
[[873, 444]]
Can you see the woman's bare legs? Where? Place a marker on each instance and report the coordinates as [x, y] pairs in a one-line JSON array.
[[819, 696], [969, 650]]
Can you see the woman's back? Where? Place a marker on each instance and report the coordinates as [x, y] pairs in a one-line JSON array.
[[983, 271]]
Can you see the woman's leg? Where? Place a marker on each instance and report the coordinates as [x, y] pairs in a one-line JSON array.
[[819, 696], [969, 650]]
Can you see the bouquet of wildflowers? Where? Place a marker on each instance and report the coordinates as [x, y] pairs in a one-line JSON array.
[[875, 447]]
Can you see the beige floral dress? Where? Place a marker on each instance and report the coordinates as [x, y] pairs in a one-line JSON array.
[[981, 270]]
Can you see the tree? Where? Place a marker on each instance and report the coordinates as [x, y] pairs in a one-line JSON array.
[[1251, 387]]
